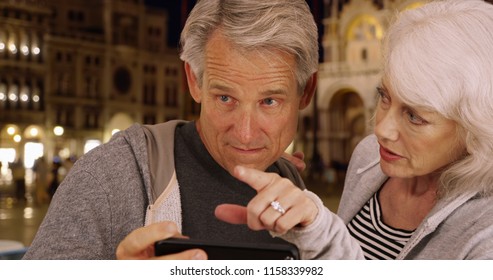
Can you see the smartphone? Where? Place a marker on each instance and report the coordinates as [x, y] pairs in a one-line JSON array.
[[228, 251]]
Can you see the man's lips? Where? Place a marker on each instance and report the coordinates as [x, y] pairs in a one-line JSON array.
[[388, 155], [247, 150]]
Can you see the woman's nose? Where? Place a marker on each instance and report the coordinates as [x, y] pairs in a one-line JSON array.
[[386, 125]]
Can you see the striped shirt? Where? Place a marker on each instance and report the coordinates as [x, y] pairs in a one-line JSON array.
[[378, 240]]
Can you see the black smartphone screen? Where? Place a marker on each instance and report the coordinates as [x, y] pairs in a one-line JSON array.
[[228, 251]]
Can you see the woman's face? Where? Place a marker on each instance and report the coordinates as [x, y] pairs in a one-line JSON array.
[[413, 142]]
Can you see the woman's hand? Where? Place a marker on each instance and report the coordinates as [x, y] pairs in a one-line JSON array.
[[294, 208], [139, 244]]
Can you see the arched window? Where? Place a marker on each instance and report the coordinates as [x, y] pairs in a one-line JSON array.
[[364, 28]]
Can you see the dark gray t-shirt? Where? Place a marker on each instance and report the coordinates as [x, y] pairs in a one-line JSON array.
[[204, 184]]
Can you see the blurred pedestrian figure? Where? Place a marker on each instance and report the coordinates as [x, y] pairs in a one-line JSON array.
[[65, 167], [54, 181], [41, 173], [18, 176]]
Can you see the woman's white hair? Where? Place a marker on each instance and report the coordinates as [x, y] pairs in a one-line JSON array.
[[285, 25], [440, 57]]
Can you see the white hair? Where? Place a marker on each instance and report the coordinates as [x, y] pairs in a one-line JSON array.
[[440, 58], [285, 25]]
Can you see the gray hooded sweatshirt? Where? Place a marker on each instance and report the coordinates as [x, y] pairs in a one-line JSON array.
[[107, 192], [456, 228]]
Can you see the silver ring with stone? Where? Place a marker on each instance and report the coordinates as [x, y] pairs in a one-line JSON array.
[[277, 206]]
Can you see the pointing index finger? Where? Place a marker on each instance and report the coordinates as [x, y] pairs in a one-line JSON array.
[[258, 180]]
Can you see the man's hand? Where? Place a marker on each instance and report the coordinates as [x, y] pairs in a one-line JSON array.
[[139, 244], [299, 210], [297, 159]]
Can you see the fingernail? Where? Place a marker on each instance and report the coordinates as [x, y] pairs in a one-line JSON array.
[[199, 255], [170, 227]]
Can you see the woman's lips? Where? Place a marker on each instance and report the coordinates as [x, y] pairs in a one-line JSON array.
[[387, 155]]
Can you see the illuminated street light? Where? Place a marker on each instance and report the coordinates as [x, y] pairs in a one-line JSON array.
[[36, 50], [13, 48], [34, 132], [11, 130], [17, 138], [13, 97], [24, 97], [25, 50], [58, 130]]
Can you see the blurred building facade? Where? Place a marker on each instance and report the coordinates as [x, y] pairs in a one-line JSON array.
[[74, 72], [347, 79]]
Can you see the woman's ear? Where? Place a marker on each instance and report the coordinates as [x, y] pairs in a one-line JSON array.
[[193, 86], [309, 91]]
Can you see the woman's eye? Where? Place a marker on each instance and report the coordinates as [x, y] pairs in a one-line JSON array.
[[415, 119], [383, 95]]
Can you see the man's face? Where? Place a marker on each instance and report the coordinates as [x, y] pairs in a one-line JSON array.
[[249, 104]]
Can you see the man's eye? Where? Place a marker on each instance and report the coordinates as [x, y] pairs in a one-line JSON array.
[[269, 101], [224, 98]]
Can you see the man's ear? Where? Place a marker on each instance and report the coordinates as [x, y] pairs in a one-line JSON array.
[[309, 91], [193, 86]]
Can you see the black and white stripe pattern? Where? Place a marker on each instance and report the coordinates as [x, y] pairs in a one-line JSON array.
[[378, 240]]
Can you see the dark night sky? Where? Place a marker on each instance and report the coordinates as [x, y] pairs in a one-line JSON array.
[[178, 10], [175, 13], [174, 8]]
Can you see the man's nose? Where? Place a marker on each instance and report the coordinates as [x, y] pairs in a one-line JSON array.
[[245, 125]]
